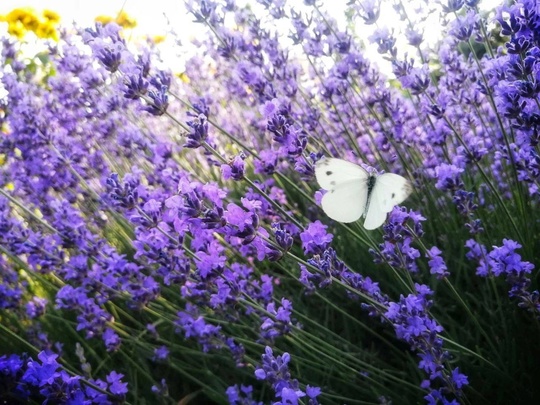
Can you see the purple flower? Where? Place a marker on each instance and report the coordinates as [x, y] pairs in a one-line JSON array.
[[158, 101], [448, 177], [369, 11], [275, 371], [36, 307], [45, 380], [417, 80], [122, 194], [280, 321], [241, 395], [235, 169], [451, 6], [437, 266], [459, 379], [397, 250], [462, 28], [504, 261], [161, 353], [135, 86], [194, 325], [162, 389], [43, 373], [283, 238], [313, 393], [111, 56], [412, 322], [116, 386], [198, 132], [384, 39], [111, 339], [315, 239], [268, 162], [241, 223], [289, 396], [414, 37], [269, 108], [11, 365]]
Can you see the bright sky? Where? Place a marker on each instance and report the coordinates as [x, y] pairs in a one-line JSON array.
[[150, 15], [159, 17]]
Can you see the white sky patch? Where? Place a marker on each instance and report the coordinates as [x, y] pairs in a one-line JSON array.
[[150, 15], [171, 19]]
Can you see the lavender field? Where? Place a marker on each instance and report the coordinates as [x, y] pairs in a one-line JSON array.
[[162, 239]]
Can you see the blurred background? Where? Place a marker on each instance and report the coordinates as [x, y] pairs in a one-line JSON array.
[[169, 23]]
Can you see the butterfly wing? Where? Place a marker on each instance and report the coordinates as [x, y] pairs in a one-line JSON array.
[[331, 173], [346, 202], [389, 190], [346, 183]]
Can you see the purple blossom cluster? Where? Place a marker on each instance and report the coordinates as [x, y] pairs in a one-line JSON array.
[[503, 261], [412, 322], [513, 76], [241, 395], [25, 379], [400, 233], [410, 315], [275, 370]]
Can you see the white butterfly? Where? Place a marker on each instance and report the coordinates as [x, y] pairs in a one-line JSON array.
[[353, 192]]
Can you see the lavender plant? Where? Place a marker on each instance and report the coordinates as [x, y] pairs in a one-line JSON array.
[[161, 237]]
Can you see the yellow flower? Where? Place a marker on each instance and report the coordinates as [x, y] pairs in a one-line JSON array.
[[184, 77], [27, 17], [47, 30], [103, 19], [124, 20], [51, 16], [15, 15], [158, 39], [22, 20], [16, 29]]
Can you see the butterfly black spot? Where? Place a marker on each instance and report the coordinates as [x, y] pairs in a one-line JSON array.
[[393, 195], [333, 183], [328, 173]]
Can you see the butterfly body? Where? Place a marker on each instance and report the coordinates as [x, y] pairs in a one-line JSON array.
[[354, 193], [370, 185]]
